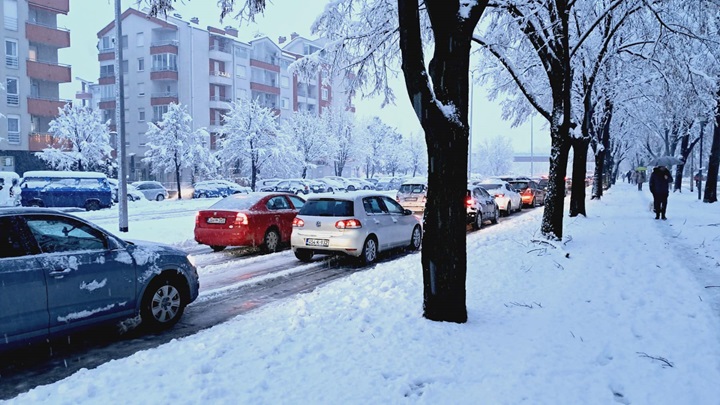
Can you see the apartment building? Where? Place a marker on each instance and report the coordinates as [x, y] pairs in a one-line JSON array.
[[32, 75], [205, 68]]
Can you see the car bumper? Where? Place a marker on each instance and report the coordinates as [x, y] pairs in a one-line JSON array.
[[527, 199], [224, 237], [341, 242]]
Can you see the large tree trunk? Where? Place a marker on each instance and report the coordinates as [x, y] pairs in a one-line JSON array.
[[552, 222], [577, 192], [713, 164], [685, 149], [177, 180], [446, 134]]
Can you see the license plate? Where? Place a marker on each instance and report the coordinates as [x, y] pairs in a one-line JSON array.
[[411, 199], [317, 242], [213, 220]]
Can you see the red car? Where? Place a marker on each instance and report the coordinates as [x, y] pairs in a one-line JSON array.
[[254, 219]]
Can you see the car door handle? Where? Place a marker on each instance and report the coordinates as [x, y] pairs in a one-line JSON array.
[[376, 220], [60, 273]]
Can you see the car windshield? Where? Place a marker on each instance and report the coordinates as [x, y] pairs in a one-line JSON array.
[[327, 208], [237, 202], [491, 185]]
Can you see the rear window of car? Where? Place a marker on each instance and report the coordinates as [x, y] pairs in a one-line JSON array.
[[520, 185], [412, 188], [491, 185], [236, 202], [327, 208]]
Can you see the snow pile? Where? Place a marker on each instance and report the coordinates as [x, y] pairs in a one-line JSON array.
[[618, 312]]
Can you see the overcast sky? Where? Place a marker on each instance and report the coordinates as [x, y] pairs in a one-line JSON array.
[[87, 17]]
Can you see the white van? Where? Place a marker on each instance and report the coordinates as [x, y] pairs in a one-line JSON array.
[[9, 189]]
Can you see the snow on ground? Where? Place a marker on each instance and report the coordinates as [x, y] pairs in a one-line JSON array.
[[625, 310]]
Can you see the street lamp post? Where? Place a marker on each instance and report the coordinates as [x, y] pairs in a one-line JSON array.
[[470, 150], [702, 132], [120, 122]]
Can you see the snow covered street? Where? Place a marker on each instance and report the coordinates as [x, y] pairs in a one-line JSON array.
[[626, 309]]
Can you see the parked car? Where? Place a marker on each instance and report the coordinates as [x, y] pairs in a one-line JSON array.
[[294, 186], [359, 224], [89, 190], [316, 186], [60, 273], [481, 207], [10, 191], [254, 219], [506, 197], [413, 194], [266, 184], [364, 183], [349, 185], [133, 194], [332, 186], [389, 183], [531, 193], [217, 188], [152, 190]]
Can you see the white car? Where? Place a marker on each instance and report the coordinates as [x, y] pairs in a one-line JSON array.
[[359, 224], [507, 199], [133, 194]]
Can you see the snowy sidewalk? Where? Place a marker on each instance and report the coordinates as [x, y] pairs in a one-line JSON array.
[[625, 318]]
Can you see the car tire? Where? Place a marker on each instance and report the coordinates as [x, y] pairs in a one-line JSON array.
[[304, 255], [217, 248], [477, 224], [160, 197], [508, 209], [201, 195], [369, 252], [271, 241], [496, 215], [534, 203], [415, 239], [92, 206], [163, 304], [330, 190]]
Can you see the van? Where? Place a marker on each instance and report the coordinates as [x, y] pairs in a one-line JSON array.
[[89, 190], [412, 194], [9, 189]]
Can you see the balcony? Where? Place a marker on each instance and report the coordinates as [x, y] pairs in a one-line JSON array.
[[222, 78], [106, 54], [163, 98], [220, 102], [168, 46], [264, 88], [48, 71], [45, 107], [220, 52], [163, 74], [56, 6], [44, 34], [38, 141]]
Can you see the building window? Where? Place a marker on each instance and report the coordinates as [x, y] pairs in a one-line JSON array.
[[124, 41], [13, 129], [140, 39], [240, 71], [241, 52], [164, 61], [141, 139], [10, 11], [13, 91], [107, 92], [285, 103], [11, 53], [141, 114], [107, 44], [325, 94], [125, 67], [158, 111], [141, 89], [107, 70], [285, 81], [141, 64]]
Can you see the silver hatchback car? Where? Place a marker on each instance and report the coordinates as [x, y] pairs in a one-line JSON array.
[[359, 224]]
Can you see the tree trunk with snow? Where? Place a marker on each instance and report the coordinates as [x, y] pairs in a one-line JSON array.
[[710, 195]]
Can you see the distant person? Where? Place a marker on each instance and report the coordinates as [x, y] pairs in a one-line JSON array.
[[660, 181], [639, 179], [629, 176]]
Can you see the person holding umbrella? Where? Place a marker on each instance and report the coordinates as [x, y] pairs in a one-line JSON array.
[[660, 181]]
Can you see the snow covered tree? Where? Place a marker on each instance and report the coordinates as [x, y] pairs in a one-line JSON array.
[[83, 141], [495, 156], [175, 146], [417, 154], [339, 125], [305, 142], [375, 132], [396, 157], [248, 136]]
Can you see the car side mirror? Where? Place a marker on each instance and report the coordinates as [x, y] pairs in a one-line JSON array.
[[407, 212]]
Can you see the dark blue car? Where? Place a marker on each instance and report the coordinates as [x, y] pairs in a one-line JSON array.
[[217, 188], [59, 274], [89, 190]]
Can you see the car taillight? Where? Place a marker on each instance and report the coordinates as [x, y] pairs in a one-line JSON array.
[[528, 191], [241, 219], [197, 219], [500, 195], [469, 202], [348, 224], [297, 222]]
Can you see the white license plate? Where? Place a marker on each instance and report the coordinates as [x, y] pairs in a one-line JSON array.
[[317, 242], [411, 199], [213, 220]]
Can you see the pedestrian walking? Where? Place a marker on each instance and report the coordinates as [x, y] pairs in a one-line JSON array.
[[660, 180], [639, 179]]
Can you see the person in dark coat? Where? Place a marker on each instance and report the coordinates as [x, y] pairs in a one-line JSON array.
[[660, 181]]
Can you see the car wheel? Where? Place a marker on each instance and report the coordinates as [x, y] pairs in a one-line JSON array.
[[36, 203], [369, 252], [508, 209], [201, 195], [415, 239], [92, 206], [478, 221], [330, 190], [271, 242], [217, 248], [304, 255], [160, 197], [520, 206], [496, 215], [163, 304]]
